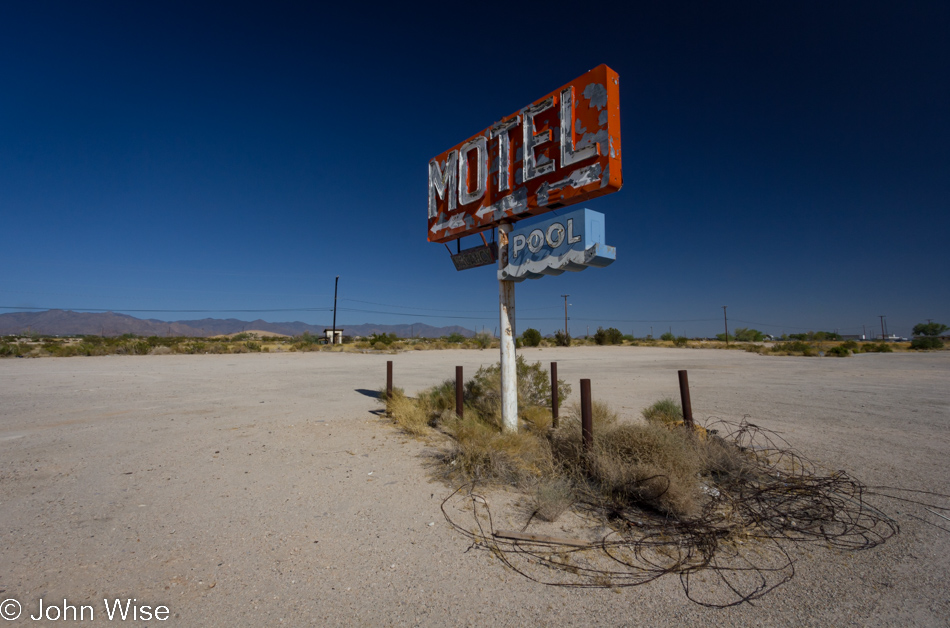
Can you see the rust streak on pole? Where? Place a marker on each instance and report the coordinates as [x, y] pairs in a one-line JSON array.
[[554, 399], [687, 405], [587, 417], [459, 410]]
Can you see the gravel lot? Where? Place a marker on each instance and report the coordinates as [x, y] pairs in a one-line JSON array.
[[261, 489]]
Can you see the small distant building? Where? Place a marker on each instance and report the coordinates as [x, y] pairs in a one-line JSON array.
[[892, 338], [333, 337]]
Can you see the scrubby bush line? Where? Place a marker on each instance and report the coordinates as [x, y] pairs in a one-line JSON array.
[[655, 464]]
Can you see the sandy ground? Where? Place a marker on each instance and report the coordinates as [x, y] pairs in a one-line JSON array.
[[262, 489]]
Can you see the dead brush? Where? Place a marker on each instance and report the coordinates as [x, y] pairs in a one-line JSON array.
[[538, 420], [551, 497], [479, 451], [635, 464], [407, 413]]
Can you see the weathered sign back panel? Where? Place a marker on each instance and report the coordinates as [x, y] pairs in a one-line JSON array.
[[559, 150]]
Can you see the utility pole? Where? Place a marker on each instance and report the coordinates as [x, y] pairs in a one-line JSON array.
[[335, 286], [726, 321], [565, 313], [883, 333]]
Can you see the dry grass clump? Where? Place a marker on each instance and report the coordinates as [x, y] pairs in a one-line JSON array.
[[650, 465], [665, 411], [406, 413], [646, 464], [658, 464], [538, 420], [481, 452]]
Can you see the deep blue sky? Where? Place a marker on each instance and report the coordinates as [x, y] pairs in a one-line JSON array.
[[790, 160]]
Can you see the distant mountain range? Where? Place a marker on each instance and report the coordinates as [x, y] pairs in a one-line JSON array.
[[69, 323]]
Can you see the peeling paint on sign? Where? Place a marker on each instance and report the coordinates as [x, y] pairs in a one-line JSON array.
[[560, 150], [550, 246]]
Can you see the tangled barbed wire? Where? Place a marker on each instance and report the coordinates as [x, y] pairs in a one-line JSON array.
[[735, 551]]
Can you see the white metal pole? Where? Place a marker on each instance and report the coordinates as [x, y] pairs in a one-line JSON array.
[[506, 309]]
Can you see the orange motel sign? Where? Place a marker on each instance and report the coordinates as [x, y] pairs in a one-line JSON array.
[[560, 150]]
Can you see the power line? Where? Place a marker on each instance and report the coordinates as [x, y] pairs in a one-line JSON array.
[[432, 309], [123, 309]]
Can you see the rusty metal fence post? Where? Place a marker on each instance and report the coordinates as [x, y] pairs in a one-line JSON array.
[[459, 410], [554, 400], [587, 416], [684, 398], [389, 379]]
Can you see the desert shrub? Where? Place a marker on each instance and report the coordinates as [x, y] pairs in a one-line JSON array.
[[455, 338], [609, 336], [871, 347], [926, 342], [838, 352], [663, 412], [68, 351], [241, 337], [483, 391], [483, 339], [562, 339], [10, 349], [91, 348], [160, 350], [531, 337], [929, 329], [680, 341], [850, 345], [668, 336], [382, 339], [253, 346], [744, 334], [307, 341], [795, 346]]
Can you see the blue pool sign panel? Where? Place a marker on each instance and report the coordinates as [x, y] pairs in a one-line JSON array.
[[554, 244]]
